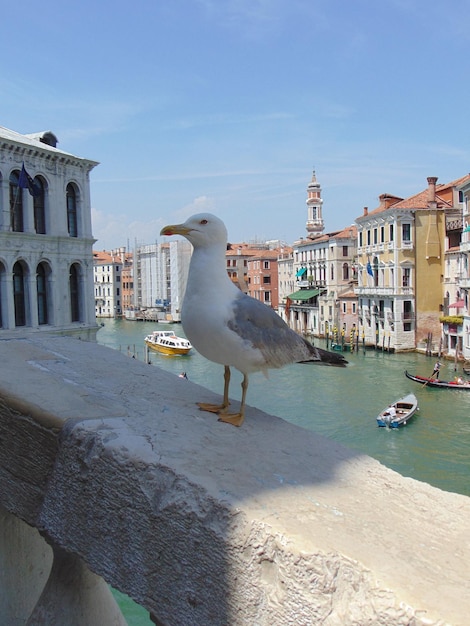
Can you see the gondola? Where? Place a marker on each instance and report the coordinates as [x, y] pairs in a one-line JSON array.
[[441, 384]]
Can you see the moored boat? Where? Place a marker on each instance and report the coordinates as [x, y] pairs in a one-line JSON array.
[[398, 413], [442, 384], [166, 342]]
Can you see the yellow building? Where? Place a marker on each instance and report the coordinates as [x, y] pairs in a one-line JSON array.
[[401, 250]]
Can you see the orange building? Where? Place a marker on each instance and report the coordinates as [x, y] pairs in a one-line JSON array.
[[263, 276]]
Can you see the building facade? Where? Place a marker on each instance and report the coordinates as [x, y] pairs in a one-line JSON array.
[[46, 242], [325, 272], [321, 301], [263, 279], [401, 251], [112, 296], [460, 297]]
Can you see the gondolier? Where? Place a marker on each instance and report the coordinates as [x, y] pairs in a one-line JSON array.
[[436, 369]]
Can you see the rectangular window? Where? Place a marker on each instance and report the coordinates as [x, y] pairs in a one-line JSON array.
[[406, 277], [266, 265], [375, 236], [266, 280], [345, 250], [391, 232], [406, 232], [407, 310], [360, 239], [368, 237], [382, 234]]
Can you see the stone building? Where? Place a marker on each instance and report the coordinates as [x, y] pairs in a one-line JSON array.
[[401, 251], [46, 241], [109, 282], [458, 283], [324, 269]]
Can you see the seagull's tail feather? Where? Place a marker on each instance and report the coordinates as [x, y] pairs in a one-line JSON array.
[[325, 357]]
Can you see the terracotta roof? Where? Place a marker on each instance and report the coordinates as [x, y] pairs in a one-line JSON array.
[[105, 257], [346, 233], [252, 250], [419, 200]]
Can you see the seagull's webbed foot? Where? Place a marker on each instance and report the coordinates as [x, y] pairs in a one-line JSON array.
[[236, 419], [212, 408]]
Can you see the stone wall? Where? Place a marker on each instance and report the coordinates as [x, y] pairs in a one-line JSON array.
[[202, 523]]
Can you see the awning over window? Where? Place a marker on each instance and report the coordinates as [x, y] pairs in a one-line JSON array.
[[304, 294], [457, 305], [301, 272]]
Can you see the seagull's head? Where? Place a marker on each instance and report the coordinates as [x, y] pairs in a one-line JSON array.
[[202, 230]]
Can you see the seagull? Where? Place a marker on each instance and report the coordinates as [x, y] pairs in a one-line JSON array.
[[227, 326]]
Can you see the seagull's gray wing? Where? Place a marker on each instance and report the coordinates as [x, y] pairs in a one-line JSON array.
[[264, 329]]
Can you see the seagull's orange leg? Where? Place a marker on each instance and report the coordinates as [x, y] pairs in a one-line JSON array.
[[236, 419], [216, 408]]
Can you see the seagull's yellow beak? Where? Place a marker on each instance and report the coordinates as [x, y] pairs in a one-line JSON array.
[[175, 229]]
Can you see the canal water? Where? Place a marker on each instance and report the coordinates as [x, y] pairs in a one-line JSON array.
[[339, 403], [342, 403]]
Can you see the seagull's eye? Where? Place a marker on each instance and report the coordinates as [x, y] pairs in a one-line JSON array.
[[203, 222]]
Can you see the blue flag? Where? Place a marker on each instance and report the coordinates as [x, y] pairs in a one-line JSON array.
[[26, 182], [369, 269]]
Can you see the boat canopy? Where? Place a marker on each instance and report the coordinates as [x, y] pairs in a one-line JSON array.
[[304, 294]]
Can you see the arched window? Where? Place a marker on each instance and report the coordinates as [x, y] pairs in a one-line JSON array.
[[345, 271], [40, 206], [74, 287], [42, 291], [72, 220], [19, 293], [16, 203]]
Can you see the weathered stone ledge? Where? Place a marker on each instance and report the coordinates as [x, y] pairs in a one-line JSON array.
[[203, 523]]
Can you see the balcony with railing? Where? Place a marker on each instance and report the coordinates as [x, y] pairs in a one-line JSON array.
[[376, 291], [407, 245]]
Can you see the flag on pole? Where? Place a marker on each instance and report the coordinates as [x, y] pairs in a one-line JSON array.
[[369, 269], [25, 181]]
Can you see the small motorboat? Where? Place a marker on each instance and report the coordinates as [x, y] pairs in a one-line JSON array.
[[459, 383], [166, 342], [398, 413]]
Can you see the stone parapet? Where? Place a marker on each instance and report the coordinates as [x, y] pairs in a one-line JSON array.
[[203, 523]]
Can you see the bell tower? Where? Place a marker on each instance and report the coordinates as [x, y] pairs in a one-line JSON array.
[[315, 225]]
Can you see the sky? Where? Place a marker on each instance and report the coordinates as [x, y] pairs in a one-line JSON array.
[[227, 106]]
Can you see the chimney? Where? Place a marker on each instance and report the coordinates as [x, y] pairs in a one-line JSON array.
[[366, 211], [432, 180]]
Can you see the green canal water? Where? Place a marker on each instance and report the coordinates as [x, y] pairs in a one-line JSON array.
[[341, 404]]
